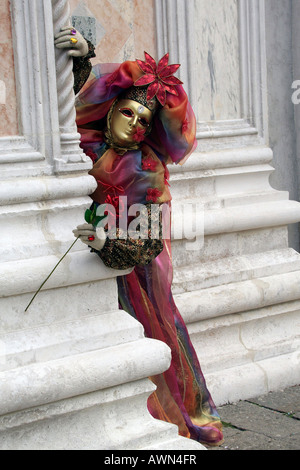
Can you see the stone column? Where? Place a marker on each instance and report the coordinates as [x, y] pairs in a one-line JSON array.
[[70, 154], [73, 367], [296, 81], [239, 290]]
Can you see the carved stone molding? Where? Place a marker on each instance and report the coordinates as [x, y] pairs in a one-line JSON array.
[[48, 142], [69, 137], [253, 64], [28, 152], [176, 34]]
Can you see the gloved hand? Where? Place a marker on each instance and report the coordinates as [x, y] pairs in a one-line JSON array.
[[72, 39], [95, 238]]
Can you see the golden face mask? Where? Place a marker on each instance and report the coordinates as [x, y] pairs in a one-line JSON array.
[[129, 121]]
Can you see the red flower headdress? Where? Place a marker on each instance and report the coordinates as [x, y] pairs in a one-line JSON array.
[[159, 78], [153, 85]]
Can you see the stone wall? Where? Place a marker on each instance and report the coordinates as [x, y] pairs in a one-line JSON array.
[[281, 73], [74, 368], [119, 30], [74, 362], [8, 105], [238, 291]]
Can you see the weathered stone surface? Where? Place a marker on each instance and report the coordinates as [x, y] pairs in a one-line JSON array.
[[263, 423]]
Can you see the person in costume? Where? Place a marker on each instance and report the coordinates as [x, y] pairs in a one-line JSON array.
[[134, 119]]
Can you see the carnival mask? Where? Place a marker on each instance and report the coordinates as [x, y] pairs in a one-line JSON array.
[[129, 122]]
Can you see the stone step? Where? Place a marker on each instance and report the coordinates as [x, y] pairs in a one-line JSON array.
[[234, 269], [63, 338], [115, 418], [254, 378], [248, 336], [226, 245], [237, 297], [224, 158], [46, 382], [230, 219], [178, 443]]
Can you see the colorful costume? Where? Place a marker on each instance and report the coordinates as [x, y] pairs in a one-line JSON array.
[[139, 175]]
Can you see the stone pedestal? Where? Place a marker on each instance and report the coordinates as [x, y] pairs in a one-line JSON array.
[[237, 287], [73, 367]]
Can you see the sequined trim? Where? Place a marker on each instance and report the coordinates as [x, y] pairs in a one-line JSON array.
[[82, 68], [126, 253]]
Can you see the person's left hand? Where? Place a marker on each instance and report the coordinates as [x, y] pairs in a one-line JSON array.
[[91, 236], [70, 38]]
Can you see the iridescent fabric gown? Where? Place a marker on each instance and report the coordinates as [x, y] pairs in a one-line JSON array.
[[141, 175], [181, 396]]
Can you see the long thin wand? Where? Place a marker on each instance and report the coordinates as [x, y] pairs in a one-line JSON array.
[[50, 275]]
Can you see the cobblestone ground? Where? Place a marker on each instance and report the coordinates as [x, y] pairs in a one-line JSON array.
[[269, 422]]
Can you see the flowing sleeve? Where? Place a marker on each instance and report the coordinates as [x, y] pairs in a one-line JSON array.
[[120, 253], [82, 68]]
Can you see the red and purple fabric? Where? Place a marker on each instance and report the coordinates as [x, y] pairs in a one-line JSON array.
[[141, 175]]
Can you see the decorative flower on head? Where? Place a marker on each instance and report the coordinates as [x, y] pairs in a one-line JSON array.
[[159, 78]]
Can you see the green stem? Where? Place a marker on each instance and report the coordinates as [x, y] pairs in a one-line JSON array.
[[50, 274]]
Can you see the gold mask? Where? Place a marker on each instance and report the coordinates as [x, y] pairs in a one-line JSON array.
[[129, 119]]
